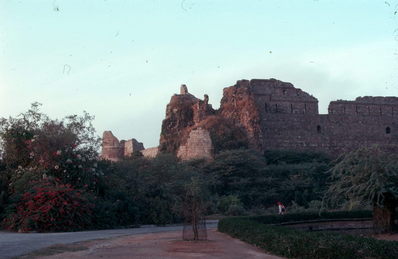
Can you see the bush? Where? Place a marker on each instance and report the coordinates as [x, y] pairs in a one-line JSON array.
[[299, 244], [231, 205], [235, 210], [50, 206]]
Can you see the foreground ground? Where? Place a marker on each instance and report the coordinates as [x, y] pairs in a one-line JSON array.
[[146, 242], [165, 245], [15, 244]]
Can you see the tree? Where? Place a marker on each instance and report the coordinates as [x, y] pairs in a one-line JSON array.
[[36, 146], [298, 177], [367, 175], [194, 209], [239, 172]]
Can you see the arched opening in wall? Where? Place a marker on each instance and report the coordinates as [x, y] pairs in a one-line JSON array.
[[388, 130], [318, 129]]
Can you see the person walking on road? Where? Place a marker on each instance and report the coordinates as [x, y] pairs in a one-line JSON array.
[[281, 208]]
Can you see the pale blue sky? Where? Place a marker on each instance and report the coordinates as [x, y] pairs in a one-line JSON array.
[[121, 60]]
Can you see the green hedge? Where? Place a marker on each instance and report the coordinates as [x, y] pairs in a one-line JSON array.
[[275, 219], [293, 243]]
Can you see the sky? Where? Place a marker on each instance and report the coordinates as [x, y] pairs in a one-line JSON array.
[[122, 60]]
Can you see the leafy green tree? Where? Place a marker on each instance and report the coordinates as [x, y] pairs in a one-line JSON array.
[[367, 175], [240, 172], [300, 183], [299, 177], [154, 187], [259, 182], [33, 147]]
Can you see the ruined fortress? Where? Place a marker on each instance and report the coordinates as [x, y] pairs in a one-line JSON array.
[[267, 115]]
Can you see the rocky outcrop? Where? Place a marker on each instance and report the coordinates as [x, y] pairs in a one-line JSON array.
[[115, 150], [182, 113], [193, 129], [238, 105]]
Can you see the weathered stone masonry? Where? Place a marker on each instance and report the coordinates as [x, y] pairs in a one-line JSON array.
[[114, 150], [290, 120]]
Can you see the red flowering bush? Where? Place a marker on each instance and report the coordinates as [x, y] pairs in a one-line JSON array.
[[51, 206]]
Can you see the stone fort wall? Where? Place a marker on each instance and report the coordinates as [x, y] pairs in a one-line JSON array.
[[115, 150], [290, 120], [267, 114]]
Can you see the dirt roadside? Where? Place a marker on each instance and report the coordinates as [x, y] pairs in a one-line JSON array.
[[164, 245]]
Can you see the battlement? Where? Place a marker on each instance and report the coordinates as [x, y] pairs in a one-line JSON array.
[[276, 96], [378, 100], [365, 106]]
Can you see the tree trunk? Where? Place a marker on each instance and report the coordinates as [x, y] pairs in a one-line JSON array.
[[384, 216], [195, 221], [195, 228]]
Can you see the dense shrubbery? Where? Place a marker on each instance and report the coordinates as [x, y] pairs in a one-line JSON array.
[[147, 191], [299, 244], [139, 190], [240, 173], [230, 205], [35, 148], [259, 182]]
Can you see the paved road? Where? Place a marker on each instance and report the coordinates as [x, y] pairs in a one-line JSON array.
[[15, 244], [167, 245]]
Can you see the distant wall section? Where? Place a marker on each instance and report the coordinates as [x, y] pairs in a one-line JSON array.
[[290, 120], [115, 150]]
